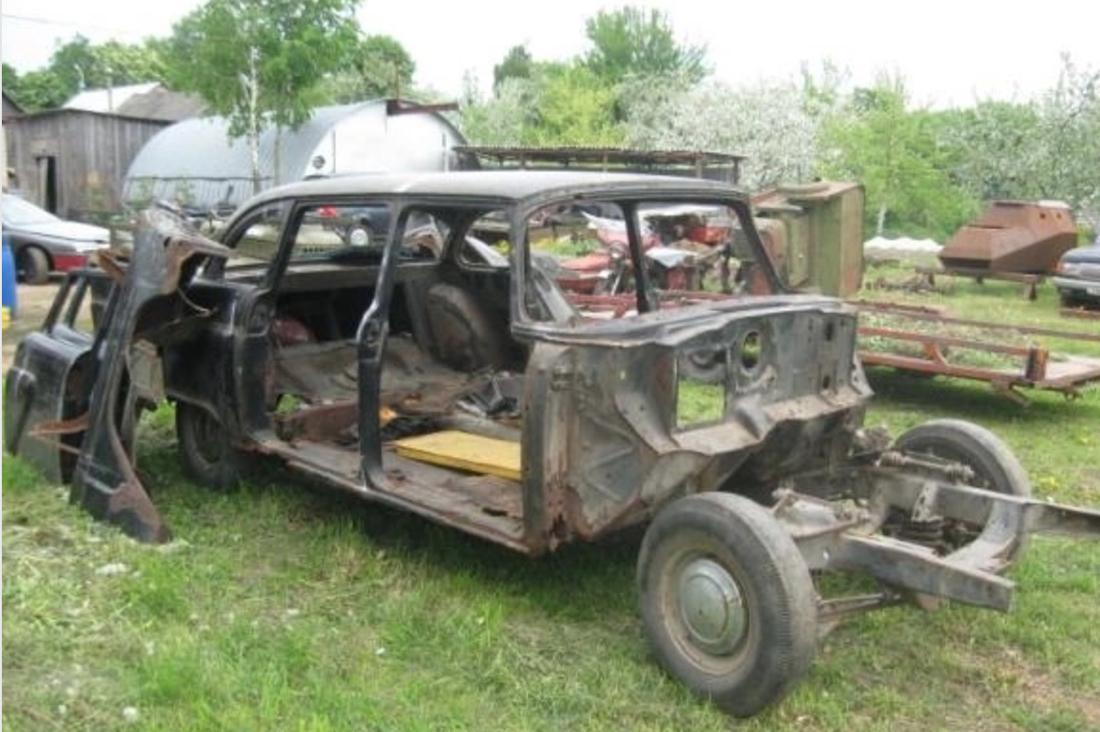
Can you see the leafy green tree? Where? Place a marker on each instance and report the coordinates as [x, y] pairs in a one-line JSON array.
[[88, 66], [259, 62], [517, 64], [79, 64], [633, 41], [576, 107], [893, 151], [560, 104], [379, 67]]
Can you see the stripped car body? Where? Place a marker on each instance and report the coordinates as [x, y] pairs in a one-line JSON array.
[[434, 375]]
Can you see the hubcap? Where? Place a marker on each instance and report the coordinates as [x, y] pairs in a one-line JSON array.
[[711, 607], [359, 237]]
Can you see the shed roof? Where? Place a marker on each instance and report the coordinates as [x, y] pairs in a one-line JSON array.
[[163, 104], [11, 107], [107, 100]]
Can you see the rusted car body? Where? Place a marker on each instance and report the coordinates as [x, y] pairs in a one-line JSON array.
[[458, 381]]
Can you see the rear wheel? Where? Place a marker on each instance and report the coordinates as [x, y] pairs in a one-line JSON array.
[[32, 265], [207, 455], [995, 469], [727, 601]]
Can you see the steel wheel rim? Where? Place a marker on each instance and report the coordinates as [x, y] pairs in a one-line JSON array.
[[711, 605], [716, 652], [209, 437]]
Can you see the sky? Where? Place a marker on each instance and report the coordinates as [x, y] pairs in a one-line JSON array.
[[949, 53]]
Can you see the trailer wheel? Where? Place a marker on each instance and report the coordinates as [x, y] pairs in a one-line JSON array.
[[995, 468], [204, 447], [727, 601]]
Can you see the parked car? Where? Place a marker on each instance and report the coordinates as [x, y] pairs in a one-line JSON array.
[[458, 381], [43, 243], [1077, 276], [360, 227]]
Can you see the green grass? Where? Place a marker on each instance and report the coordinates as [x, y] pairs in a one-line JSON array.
[[290, 607]]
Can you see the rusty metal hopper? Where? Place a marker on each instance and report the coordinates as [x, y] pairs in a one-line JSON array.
[[1013, 236]]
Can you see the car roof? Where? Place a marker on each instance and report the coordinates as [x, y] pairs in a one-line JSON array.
[[508, 185]]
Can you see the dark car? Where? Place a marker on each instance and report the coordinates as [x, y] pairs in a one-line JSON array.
[[1077, 276], [43, 243], [442, 376], [359, 227]]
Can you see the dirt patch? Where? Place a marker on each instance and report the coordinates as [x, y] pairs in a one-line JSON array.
[[32, 304]]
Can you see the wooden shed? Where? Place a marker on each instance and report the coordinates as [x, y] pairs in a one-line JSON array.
[[73, 162]]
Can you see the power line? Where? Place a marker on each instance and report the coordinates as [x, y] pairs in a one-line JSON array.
[[69, 24]]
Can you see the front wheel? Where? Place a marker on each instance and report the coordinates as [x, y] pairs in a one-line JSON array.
[[204, 446], [727, 601]]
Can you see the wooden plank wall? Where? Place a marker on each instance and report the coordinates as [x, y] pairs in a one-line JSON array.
[[93, 152]]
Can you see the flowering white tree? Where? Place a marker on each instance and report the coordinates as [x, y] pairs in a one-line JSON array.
[[766, 122], [1069, 141]]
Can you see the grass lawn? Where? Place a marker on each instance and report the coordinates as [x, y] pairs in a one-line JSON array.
[[289, 607]]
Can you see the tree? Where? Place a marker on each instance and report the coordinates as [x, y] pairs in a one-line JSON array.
[[1068, 135], [560, 104], [79, 64], [576, 107], [379, 67], [257, 62], [384, 66], [501, 120], [992, 149], [767, 123], [517, 64], [631, 41], [893, 151]]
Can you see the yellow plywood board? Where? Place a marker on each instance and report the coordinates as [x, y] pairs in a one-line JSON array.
[[454, 449]]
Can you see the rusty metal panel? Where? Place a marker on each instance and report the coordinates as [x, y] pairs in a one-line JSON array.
[[1013, 236], [823, 242]]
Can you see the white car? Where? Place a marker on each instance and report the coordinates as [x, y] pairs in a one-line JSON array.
[[43, 243]]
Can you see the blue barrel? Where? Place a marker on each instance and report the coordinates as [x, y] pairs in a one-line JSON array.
[[10, 293]]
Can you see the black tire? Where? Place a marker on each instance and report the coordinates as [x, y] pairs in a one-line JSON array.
[[205, 450], [762, 644], [32, 265], [995, 468]]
